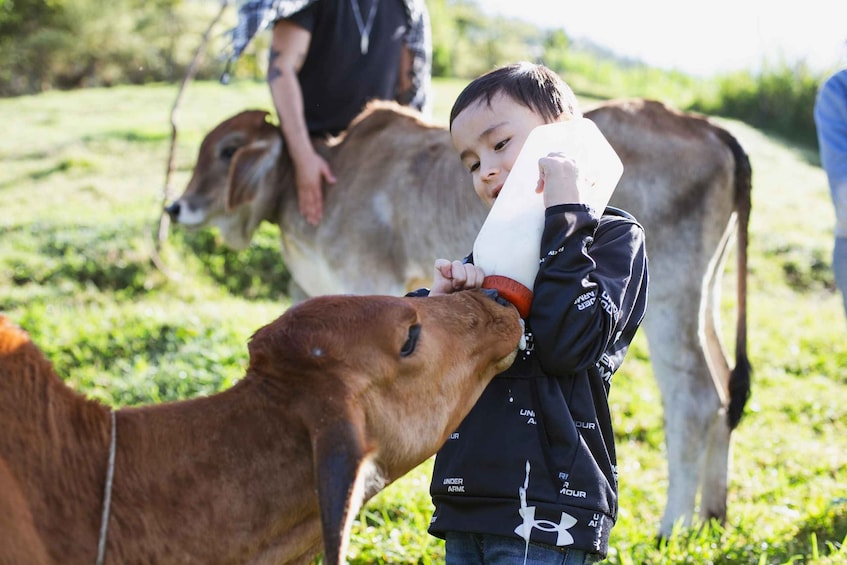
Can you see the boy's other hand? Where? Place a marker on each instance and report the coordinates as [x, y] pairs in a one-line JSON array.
[[452, 276], [557, 179]]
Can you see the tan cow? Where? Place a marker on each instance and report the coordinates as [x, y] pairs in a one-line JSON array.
[[402, 199], [343, 395]]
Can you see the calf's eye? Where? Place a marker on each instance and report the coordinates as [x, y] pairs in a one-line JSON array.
[[228, 151], [411, 341]]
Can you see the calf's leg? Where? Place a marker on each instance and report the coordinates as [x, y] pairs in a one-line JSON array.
[[690, 400]]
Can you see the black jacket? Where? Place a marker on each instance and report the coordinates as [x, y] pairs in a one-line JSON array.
[[535, 458]]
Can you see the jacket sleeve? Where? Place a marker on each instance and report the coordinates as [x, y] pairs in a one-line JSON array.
[[590, 289], [830, 113]]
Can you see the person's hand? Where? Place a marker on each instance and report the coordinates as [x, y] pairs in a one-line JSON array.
[[557, 179], [452, 276], [309, 176]]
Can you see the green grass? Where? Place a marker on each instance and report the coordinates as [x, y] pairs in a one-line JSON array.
[[81, 189]]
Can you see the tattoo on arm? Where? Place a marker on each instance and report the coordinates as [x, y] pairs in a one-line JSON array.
[[273, 71]]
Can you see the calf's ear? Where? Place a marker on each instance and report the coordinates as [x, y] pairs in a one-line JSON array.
[[341, 465], [249, 166]]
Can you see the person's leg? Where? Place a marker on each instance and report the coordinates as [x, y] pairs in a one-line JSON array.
[[463, 549], [839, 267], [474, 549], [839, 253]]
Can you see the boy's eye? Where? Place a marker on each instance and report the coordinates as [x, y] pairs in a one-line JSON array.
[[501, 144], [473, 167]]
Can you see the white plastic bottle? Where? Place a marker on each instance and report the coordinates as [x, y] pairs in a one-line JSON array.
[[508, 245]]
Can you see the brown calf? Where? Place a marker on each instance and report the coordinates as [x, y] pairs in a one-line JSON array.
[[343, 395]]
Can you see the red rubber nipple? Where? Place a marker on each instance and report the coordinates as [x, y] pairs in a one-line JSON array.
[[513, 291]]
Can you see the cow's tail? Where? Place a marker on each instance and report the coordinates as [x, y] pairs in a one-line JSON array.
[[739, 379]]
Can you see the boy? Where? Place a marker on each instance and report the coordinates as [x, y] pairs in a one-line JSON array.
[[530, 476]]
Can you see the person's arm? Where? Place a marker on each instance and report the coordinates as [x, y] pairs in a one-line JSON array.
[[289, 46], [590, 277], [413, 84], [405, 78], [830, 114], [588, 289]]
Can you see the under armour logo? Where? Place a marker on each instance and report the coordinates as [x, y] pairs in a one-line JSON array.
[[529, 522]]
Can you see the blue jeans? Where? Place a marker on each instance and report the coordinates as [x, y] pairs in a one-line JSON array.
[[484, 549], [839, 267], [838, 192]]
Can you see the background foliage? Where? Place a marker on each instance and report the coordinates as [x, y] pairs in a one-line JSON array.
[[64, 44]]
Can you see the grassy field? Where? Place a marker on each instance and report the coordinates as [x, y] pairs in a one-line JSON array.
[[81, 189]]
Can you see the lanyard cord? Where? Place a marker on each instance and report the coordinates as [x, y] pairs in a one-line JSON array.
[[107, 495], [364, 28]]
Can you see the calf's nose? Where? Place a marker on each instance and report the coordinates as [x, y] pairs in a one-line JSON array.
[[173, 210]]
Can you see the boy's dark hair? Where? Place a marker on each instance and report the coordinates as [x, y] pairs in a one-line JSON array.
[[535, 86]]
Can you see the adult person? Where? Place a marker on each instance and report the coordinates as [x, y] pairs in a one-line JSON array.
[[328, 58], [831, 122]]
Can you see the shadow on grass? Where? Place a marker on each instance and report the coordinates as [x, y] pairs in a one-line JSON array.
[[132, 136], [116, 258], [805, 270], [109, 257], [256, 273]]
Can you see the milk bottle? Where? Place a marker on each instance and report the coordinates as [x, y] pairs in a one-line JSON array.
[[508, 245]]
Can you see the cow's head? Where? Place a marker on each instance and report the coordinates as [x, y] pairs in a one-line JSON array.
[[232, 186], [380, 382]]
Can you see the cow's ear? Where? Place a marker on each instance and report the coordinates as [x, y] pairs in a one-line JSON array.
[[247, 170], [342, 468]]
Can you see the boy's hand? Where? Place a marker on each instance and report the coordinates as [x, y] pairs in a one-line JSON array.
[[557, 178], [452, 276]]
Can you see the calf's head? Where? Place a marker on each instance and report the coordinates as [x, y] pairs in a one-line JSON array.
[[232, 185], [380, 382]]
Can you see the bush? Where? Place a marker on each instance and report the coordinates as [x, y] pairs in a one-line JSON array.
[[780, 100], [68, 44]]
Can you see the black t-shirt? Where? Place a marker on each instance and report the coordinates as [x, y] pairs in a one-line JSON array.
[[336, 78]]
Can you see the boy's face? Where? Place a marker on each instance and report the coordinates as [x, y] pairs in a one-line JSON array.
[[489, 138]]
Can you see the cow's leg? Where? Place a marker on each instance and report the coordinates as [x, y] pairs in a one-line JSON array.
[[716, 470], [690, 399]]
